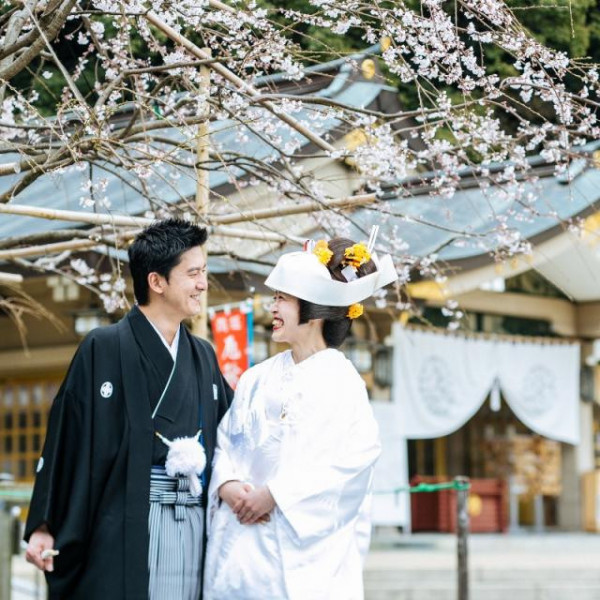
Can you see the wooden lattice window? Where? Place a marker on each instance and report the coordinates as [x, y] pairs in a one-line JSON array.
[[24, 408]]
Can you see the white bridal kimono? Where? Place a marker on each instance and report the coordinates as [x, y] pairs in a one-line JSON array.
[[307, 431]]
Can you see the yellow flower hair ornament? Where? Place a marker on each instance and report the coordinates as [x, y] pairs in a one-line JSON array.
[[322, 252], [356, 255], [355, 311]]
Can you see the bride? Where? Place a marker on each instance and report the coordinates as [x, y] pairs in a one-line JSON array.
[[289, 501]]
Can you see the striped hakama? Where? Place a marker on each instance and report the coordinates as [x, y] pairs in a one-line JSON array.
[[176, 526]]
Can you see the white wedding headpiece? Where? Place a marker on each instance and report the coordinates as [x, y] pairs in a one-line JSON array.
[[303, 275]]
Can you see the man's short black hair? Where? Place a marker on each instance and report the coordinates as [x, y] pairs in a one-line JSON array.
[[158, 249]]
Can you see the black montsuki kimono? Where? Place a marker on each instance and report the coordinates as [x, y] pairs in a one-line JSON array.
[[93, 482]]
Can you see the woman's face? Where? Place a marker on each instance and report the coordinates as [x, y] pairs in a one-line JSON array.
[[286, 316]]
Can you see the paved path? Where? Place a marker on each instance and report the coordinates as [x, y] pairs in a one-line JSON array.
[[551, 566], [423, 551]]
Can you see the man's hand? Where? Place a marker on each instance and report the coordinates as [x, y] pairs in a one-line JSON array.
[[253, 506], [39, 541]]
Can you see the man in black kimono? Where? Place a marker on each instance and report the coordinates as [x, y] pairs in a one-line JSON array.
[[144, 375]]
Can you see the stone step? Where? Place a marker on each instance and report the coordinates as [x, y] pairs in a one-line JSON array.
[[483, 575], [431, 591]]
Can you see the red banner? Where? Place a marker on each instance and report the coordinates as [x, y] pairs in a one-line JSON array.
[[232, 334]]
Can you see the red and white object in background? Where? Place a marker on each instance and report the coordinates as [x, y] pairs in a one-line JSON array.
[[232, 335]]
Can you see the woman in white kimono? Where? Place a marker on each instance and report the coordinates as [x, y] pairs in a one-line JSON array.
[[288, 514]]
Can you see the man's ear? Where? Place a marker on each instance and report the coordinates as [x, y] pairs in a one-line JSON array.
[[156, 282]]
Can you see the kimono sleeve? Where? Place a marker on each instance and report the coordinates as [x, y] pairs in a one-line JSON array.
[[61, 491], [325, 487], [223, 467]]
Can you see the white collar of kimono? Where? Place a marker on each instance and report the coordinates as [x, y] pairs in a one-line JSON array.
[[301, 274], [172, 348]]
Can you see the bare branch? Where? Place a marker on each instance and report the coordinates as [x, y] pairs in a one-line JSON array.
[[51, 27]]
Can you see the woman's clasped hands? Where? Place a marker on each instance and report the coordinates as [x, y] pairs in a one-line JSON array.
[[251, 505]]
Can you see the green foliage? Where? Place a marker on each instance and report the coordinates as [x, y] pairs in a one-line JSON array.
[[593, 29], [318, 44], [560, 24]]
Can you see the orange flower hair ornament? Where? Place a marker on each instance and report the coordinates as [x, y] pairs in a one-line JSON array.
[[357, 255], [322, 252], [355, 311]]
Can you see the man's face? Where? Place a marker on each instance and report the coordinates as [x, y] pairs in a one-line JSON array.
[[187, 281]]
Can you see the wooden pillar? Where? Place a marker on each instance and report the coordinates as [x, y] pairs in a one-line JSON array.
[[462, 532], [5, 552], [441, 452], [200, 323]]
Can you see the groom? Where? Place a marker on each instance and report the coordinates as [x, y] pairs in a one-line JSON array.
[[124, 529]]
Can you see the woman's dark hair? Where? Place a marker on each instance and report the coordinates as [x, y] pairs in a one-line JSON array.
[[336, 325], [158, 249]]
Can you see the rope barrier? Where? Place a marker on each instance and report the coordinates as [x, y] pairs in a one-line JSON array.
[[427, 487], [416, 489], [24, 495]]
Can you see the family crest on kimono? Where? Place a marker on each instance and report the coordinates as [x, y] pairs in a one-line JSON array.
[[117, 508], [289, 501]]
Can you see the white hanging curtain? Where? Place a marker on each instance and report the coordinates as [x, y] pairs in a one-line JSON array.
[[541, 385], [390, 507], [441, 381]]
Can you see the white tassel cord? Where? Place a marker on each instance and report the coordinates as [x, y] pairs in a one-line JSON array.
[[186, 457]]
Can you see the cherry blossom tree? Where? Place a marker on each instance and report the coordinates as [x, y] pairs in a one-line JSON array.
[[129, 87]]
